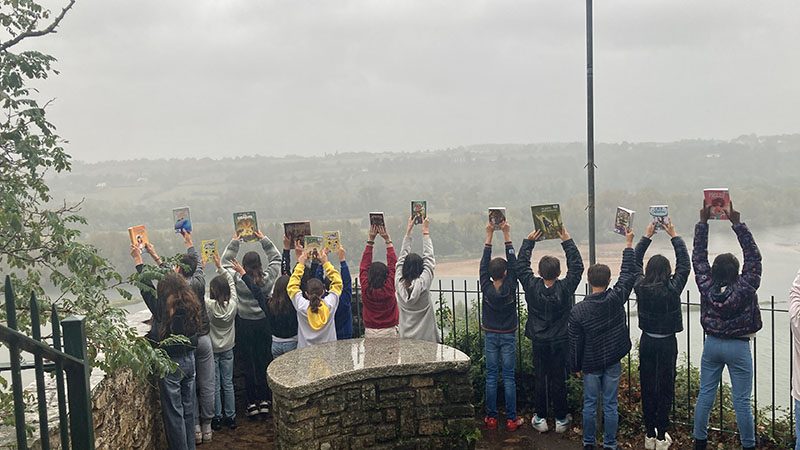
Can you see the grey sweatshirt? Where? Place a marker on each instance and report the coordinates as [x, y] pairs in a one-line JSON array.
[[417, 318], [223, 331], [248, 308]]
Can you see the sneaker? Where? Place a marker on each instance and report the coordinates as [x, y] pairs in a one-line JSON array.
[[263, 407], [198, 437], [512, 425], [252, 410], [664, 445], [216, 424], [491, 423], [563, 425], [229, 422], [207, 436], [539, 424], [650, 443]]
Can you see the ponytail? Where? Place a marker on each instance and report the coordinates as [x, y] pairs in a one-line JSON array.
[[315, 290]]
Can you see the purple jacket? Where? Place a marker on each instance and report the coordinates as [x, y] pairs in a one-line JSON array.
[[733, 311]]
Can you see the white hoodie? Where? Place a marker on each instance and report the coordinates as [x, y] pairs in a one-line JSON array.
[[794, 319], [417, 317], [221, 319], [319, 327]]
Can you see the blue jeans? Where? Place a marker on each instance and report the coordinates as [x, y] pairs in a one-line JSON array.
[[223, 382], [718, 353], [603, 383], [501, 346], [279, 348], [797, 425], [177, 403]]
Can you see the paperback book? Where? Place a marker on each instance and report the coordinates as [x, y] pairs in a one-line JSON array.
[[660, 216], [297, 231], [547, 219], [419, 211], [497, 215], [623, 220], [246, 224], [332, 240], [719, 199], [376, 219], [138, 235], [182, 220], [313, 245], [208, 249]]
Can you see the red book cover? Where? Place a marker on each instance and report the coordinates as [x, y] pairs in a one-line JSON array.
[[719, 199]]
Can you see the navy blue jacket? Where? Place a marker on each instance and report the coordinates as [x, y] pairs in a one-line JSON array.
[[499, 307]]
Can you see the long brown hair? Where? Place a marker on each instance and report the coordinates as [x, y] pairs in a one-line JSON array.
[[220, 290], [280, 303], [178, 295], [315, 290], [252, 265]]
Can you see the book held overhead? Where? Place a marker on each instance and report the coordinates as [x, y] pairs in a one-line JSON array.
[[547, 219], [497, 215], [246, 224]]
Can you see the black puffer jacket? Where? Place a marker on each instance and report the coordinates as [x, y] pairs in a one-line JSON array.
[[659, 303], [598, 332], [549, 307]]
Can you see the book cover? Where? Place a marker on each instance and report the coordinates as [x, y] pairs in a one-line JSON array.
[[208, 249], [547, 219], [332, 240], [419, 210], [297, 231], [623, 220], [497, 215], [376, 218], [660, 216], [246, 224], [182, 220], [138, 235], [313, 245], [719, 199]]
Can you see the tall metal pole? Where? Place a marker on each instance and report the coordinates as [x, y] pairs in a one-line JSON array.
[[590, 130]]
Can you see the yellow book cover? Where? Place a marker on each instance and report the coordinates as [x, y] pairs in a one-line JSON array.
[[208, 249], [332, 240]]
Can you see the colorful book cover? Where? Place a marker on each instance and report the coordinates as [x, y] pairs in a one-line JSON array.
[[497, 215], [547, 219], [297, 231], [332, 240], [660, 216], [246, 224], [623, 220], [719, 200], [313, 245], [182, 220], [138, 235], [419, 210], [376, 218], [208, 249]]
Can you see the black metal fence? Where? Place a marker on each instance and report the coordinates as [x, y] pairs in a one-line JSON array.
[[75, 426], [459, 320]]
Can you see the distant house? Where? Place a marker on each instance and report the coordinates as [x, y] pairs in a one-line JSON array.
[[713, 155], [141, 180], [102, 185]]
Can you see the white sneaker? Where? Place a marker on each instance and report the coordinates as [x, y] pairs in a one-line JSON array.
[[539, 424], [198, 435], [664, 445], [650, 443], [207, 433], [563, 426], [252, 410]]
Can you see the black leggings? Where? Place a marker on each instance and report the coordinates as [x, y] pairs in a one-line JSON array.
[[254, 342], [657, 358], [550, 373]]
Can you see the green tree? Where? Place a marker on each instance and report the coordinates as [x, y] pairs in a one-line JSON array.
[[39, 239]]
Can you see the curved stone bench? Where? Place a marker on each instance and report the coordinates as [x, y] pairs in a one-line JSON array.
[[390, 393]]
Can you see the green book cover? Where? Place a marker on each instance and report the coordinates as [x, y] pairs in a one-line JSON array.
[[547, 219]]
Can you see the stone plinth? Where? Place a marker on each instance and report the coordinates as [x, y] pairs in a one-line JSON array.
[[386, 393]]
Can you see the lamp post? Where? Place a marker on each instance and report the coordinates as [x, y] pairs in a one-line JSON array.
[[590, 131]]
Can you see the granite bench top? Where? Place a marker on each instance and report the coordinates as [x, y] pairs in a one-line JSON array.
[[304, 372]]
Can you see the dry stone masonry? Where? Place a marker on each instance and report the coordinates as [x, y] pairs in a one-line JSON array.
[[379, 393]]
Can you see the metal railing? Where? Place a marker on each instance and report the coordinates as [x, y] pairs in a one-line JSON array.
[[462, 322], [75, 427]]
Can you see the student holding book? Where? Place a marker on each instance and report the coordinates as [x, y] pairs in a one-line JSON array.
[[253, 336], [176, 312], [413, 279], [222, 311], [658, 296], [315, 308], [282, 318], [380, 313], [190, 267], [549, 301], [730, 316], [598, 340], [794, 320], [500, 322]]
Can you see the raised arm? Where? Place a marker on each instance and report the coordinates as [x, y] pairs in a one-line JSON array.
[[511, 257], [404, 251], [347, 281], [286, 262], [199, 275], [702, 269], [641, 250], [273, 260], [231, 251], [682, 265], [293, 288], [523, 269], [363, 267], [751, 268], [334, 277], [574, 262], [794, 308], [629, 273], [428, 261]]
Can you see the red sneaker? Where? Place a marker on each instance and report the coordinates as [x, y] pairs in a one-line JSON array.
[[512, 425], [491, 423]]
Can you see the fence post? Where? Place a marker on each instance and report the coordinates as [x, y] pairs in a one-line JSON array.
[[79, 391], [16, 370], [41, 395]]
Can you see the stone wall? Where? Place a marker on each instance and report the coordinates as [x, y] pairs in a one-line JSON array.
[[413, 403]]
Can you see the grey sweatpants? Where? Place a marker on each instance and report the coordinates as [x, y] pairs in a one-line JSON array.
[[204, 379]]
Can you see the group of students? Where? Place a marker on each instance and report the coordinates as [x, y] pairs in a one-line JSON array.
[[266, 310], [592, 337]]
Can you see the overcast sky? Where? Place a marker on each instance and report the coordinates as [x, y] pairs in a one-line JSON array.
[[177, 78]]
